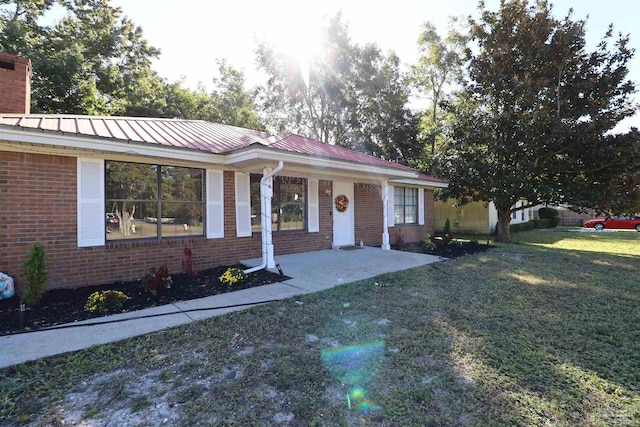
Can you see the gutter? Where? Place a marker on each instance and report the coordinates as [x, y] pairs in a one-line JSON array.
[[266, 193]]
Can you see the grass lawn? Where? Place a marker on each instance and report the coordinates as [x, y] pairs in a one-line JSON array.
[[545, 332]]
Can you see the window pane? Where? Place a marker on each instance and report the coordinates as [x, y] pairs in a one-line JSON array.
[[182, 219], [255, 202], [131, 181], [410, 215], [127, 220], [132, 204], [406, 205], [398, 196], [398, 214], [181, 184], [291, 203], [410, 196]]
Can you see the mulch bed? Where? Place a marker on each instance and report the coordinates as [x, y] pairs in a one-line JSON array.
[[451, 250], [61, 306]]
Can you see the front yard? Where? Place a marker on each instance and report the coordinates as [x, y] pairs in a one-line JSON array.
[[542, 332]]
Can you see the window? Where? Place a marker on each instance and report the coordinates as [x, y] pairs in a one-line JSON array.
[[153, 201], [405, 205], [288, 205]]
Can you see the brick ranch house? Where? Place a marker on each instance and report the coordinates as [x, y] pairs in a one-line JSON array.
[[111, 197]]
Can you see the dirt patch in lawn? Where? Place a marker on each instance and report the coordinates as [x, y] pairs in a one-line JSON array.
[[60, 306]]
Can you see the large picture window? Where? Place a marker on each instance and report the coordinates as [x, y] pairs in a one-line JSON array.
[[288, 205], [153, 201], [405, 205]]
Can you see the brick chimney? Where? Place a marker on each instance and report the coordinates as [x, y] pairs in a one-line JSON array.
[[15, 84]]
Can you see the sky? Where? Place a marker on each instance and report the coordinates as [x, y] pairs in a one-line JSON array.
[[193, 34]]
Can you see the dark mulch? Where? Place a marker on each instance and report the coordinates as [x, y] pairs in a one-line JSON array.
[[452, 250], [61, 306]]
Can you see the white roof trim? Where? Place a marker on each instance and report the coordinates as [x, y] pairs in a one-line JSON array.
[[419, 183], [316, 162]]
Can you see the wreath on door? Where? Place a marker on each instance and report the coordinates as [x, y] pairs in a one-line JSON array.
[[342, 203]]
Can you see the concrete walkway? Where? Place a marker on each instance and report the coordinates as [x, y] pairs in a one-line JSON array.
[[309, 272]]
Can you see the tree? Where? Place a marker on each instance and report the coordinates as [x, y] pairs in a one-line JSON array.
[[92, 61], [534, 119], [439, 66], [232, 104], [617, 193], [353, 96]]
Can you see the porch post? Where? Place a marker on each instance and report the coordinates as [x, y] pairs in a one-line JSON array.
[[385, 212]]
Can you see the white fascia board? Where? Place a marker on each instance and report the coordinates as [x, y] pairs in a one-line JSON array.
[[105, 145], [316, 163], [419, 183]]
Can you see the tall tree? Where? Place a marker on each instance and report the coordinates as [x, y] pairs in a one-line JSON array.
[[533, 120], [232, 103], [352, 95], [92, 61], [439, 67]]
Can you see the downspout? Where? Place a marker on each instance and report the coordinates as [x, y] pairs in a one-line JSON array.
[[266, 193], [385, 213]]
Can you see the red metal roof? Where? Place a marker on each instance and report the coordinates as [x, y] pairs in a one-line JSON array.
[[191, 134], [299, 144], [431, 178]]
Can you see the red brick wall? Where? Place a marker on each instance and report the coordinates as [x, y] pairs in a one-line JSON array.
[[368, 214], [15, 85], [409, 233], [38, 204]]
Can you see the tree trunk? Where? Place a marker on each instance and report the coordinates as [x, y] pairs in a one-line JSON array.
[[503, 233]]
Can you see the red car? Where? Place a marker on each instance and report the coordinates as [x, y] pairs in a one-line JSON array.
[[615, 222]]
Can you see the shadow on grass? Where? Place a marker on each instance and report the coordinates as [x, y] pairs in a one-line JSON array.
[[547, 346]]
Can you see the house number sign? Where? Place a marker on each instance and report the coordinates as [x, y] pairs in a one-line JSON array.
[[342, 203]]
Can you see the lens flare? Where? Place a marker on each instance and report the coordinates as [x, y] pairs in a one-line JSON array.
[[354, 355]]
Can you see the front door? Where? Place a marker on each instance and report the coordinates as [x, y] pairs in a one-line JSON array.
[[343, 217]]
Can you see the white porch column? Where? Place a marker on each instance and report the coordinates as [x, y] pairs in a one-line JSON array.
[[385, 219]]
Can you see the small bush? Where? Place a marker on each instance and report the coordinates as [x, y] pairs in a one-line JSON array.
[[232, 276], [428, 243], [35, 272], [548, 213], [524, 226], [447, 227], [158, 280], [547, 222], [106, 301]]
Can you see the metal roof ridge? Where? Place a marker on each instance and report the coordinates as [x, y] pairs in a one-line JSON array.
[[289, 134]]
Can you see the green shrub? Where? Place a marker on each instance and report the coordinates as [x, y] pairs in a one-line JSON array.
[[542, 223], [524, 226], [106, 301], [447, 227], [35, 273], [547, 222], [428, 242], [548, 213]]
